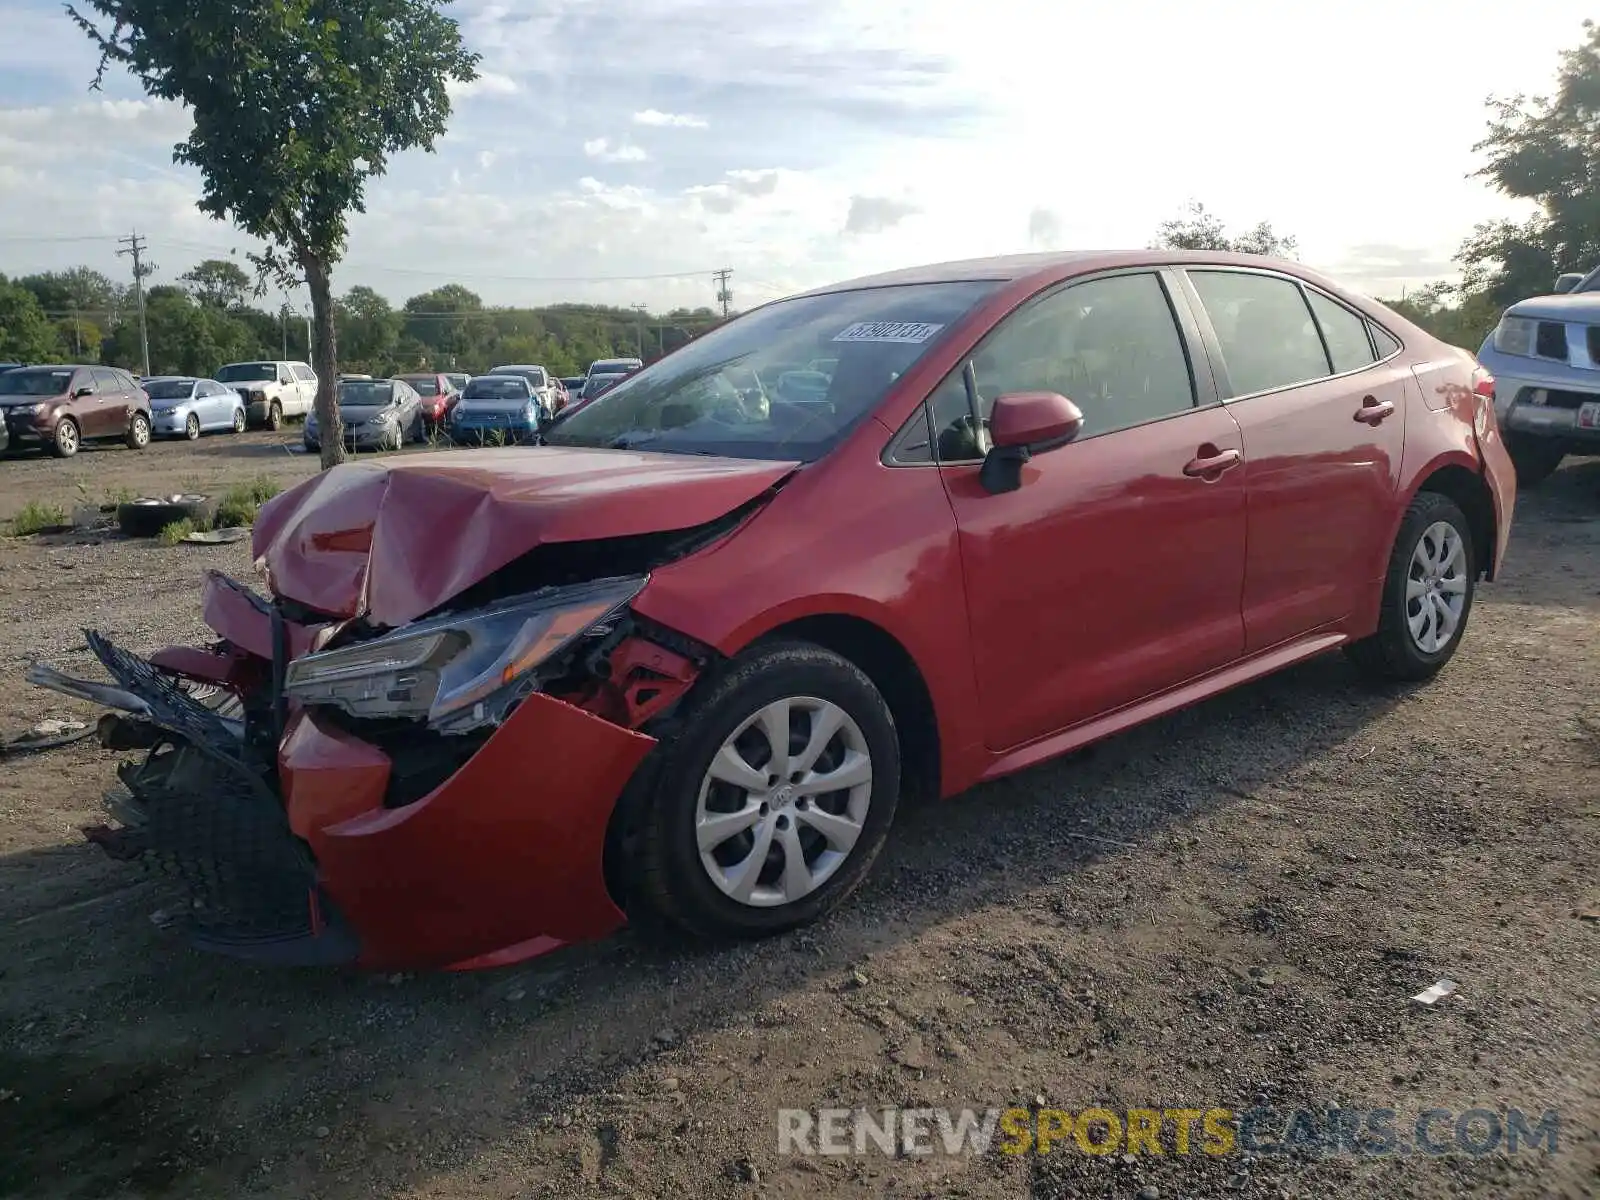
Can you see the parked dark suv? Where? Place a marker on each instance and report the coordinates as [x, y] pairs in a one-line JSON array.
[[61, 407]]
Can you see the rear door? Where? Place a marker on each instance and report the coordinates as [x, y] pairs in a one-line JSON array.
[[108, 415], [305, 384], [1114, 571], [1324, 429]]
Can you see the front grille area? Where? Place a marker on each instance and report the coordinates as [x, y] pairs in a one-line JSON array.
[[1551, 340], [1568, 400]]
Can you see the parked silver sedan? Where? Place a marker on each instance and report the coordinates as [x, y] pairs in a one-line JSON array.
[[378, 414], [187, 406]]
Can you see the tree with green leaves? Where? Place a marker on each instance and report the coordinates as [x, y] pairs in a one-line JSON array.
[[26, 334], [369, 328], [218, 283], [1544, 149], [1201, 229], [297, 104]]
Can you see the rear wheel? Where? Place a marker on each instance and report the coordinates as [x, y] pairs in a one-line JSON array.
[[772, 803], [1535, 459], [1427, 594], [139, 431]]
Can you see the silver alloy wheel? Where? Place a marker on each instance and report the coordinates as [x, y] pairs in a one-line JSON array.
[[141, 430], [191, 427], [784, 801], [67, 437], [1436, 587], [238, 420]]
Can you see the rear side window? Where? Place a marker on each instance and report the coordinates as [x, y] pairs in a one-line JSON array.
[[1345, 333], [1267, 336], [1110, 345], [106, 381], [304, 373]]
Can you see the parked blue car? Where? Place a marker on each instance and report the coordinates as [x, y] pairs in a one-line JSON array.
[[184, 406], [495, 409]]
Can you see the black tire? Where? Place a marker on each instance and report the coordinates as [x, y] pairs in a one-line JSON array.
[[663, 866], [191, 428], [1392, 653], [275, 416], [1535, 459], [66, 439], [148, 517], [139, 431], [238, 420]]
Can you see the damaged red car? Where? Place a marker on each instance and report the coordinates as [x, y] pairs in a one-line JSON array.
[[883, 540]]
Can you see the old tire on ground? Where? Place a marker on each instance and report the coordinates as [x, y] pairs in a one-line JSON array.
[[1535, 459], [138, 432], [65, 440], [1427, 594], [743, 837], [275, 416], [148, 517]]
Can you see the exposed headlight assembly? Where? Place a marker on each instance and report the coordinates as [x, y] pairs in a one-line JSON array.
[[1515, 335], [463, 670]]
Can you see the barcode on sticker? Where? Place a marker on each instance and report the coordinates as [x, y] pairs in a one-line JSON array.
[[887, 331]]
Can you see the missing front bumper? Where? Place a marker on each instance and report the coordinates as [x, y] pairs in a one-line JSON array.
[[203, 813]]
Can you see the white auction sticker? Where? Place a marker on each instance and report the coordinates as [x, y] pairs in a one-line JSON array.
[[888, 331]]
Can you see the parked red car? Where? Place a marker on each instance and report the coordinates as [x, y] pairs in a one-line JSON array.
[[438, 394], [687, 656]]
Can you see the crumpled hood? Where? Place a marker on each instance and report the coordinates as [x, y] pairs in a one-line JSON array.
[[394, 540], [1574, 306]]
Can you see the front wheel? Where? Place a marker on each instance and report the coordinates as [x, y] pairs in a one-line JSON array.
[[191, 428], [238, 420], [1427, 594], [1535, 459], [275, 417], [773, 801]]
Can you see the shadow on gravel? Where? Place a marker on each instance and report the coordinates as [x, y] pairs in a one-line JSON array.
[[134, 1065]]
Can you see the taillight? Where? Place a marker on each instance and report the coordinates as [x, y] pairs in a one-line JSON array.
[[1483, 383]]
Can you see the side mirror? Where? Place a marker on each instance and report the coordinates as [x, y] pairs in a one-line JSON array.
[[1021, 425], [1565, 283], [82, 391]]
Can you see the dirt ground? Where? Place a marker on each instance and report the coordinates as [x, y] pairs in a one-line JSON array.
[[1228, 907]]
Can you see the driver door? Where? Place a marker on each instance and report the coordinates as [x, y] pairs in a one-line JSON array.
[[1116, 570]]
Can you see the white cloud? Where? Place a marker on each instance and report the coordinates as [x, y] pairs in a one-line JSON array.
[[874, 214], [488, 83], [486, 159], [623, 152], [1044, 229], [656, 118]]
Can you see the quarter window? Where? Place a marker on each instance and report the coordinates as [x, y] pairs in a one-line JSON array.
[[106, 382], [1109, 345], [1265, 330], [1343, 331], [303, 374], [1385, 341]]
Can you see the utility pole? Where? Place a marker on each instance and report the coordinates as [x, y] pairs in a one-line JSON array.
[[135, 246], [724, 295], [283, 325], [309, 354], [640, 309]]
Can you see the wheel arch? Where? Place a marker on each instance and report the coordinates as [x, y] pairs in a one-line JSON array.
[[1470, 492]]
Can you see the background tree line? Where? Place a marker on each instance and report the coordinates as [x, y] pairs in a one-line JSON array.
[[207, 319]]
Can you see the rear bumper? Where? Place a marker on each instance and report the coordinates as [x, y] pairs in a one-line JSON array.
[[304, 853]]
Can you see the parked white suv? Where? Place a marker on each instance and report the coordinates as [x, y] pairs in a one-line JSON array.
[[271, 390]]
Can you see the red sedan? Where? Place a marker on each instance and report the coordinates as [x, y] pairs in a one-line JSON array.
[[687, 656], [438, 394]]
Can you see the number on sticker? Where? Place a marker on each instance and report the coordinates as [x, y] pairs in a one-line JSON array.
[[888, 331]]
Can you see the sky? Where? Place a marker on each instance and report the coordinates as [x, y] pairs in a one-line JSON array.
[[621, 152]]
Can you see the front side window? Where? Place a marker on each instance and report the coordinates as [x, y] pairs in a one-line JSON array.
[[1265, 330], [1345, 333], [710, 398], [1110, 345]]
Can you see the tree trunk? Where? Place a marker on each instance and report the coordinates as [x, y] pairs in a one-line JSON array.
[[325, 360]]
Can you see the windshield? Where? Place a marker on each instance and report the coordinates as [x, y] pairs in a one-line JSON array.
[[612, 366], [497, 387], [599, 383], [425, 385], [731, 392], [365, 393], [247, 373], [534, 375], [27, 382], [168, 389]]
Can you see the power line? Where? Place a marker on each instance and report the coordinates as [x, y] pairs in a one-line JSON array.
[[135, 245]]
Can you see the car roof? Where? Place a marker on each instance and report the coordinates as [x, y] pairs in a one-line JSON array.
[[1009, 268]]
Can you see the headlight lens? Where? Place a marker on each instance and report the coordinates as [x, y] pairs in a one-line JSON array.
[[1515, 335], [23, 410], [460, 671]]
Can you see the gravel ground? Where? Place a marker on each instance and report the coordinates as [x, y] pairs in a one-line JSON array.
[[1224, 908]]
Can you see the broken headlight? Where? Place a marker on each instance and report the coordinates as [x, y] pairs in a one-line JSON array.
[[461, 670]]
